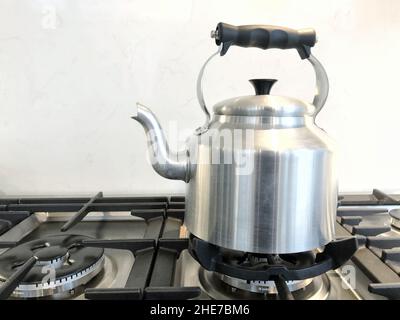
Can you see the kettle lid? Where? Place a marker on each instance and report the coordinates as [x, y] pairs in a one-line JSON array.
[[263, 104]]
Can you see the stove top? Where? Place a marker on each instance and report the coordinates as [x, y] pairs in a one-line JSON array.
[[137, 248], [66, 263]]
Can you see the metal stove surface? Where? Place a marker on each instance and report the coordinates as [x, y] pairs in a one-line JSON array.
[[119, 234], [146, 253], [372, 274], [376, 264], [110, 225], [330, 286]]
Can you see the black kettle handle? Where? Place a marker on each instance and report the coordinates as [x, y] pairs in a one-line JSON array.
[[264, 37]]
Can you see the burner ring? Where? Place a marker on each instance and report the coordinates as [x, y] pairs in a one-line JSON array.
[[62, 265], [66, 284], [215, 288], [267, 287]]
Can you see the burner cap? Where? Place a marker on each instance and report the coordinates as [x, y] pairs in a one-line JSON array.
[[63, 264], [55, 256]]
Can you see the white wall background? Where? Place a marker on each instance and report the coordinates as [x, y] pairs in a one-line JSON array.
[[71, 71]]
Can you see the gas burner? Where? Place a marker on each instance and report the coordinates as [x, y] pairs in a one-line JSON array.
[[266, 287], [222, 287], [395, 218], [272, 267], [62, 265]]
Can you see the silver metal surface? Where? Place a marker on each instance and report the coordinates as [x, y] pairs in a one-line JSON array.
[[199, 90], [264, 106], [214, 34], [164, 162], [275, 193], [322, 84], [117, 263], [284, 202]]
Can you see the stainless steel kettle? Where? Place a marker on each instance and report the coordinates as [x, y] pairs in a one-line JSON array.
[[281, 195]]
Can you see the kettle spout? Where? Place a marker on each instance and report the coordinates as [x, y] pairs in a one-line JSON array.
[[164, 162]]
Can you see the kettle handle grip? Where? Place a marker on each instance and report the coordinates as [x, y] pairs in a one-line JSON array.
[[264, 37]]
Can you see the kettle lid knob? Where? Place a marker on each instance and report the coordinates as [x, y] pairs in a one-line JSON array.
[[262, 86]]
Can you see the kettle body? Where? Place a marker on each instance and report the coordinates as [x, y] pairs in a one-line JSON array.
[[278, 196], [260, 173]]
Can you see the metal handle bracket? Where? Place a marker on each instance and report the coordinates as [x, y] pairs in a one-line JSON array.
[[321, 87]]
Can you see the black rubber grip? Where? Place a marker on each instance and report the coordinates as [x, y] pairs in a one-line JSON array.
[[265, 37]]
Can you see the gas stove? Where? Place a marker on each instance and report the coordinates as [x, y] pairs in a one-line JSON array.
[[138, 248]]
